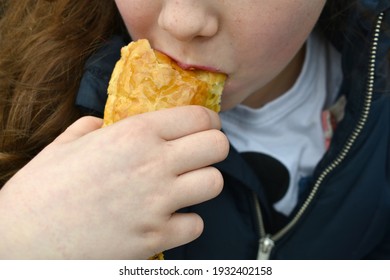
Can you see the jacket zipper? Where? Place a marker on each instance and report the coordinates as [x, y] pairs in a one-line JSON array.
[[267, 241]]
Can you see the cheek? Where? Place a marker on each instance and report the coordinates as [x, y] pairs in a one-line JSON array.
[[257, 62], [263, 52], [138, 15], [282, 25], [276, 40]]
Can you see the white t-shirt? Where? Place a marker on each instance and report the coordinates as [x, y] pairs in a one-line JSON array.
[[289, 128]]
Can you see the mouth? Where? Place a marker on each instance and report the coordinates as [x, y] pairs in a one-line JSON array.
[[192, 67]]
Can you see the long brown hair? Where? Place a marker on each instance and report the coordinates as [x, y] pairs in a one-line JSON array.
[[43, 47]]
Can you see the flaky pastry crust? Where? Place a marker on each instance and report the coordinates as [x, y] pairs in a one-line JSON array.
[[146, 80]]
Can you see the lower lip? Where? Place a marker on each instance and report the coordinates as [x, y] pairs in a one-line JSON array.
[[196, 67]]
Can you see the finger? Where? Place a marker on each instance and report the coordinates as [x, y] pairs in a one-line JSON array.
[[196, 151], [181, 229], [195, 187], [180, 121], [79, 128]]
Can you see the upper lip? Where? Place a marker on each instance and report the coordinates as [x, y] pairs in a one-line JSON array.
[[188, 66]]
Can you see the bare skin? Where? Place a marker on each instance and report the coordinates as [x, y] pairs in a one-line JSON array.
[[113, 192]]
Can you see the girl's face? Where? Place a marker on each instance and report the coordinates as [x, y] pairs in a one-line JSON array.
[[257, 43]]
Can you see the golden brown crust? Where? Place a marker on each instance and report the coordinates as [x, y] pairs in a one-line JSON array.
[[146, 80]]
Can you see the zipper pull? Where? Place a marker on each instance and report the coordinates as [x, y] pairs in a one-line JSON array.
[[265, 247]]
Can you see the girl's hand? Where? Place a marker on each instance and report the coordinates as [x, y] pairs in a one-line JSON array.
[[112, 192]]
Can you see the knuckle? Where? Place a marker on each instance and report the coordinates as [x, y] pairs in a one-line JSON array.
[[136, 128], [202, 116], [139, 124], [153, 235]]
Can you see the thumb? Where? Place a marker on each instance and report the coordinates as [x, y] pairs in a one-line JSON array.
[[79, 128]]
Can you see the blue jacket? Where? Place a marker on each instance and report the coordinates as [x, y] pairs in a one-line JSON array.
[[345, 211]]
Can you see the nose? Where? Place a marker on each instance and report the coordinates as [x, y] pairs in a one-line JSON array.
[[188, 19]]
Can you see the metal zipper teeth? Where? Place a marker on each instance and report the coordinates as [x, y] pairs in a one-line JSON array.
[[350, 142]]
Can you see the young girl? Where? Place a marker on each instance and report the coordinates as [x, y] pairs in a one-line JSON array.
[[305, 108]]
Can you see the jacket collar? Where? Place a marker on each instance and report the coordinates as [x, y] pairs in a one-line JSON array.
[[92, 93], [366, 76]]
